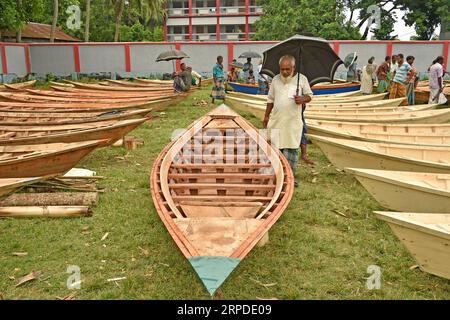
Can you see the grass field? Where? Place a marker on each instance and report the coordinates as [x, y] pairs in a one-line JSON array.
[[313, 253]]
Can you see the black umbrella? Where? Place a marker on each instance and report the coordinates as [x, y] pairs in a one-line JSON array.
[[318, 62], [250, 54], [171, 55], [350, 59]]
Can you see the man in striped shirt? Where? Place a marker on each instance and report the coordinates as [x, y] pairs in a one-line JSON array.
[[398, 89]]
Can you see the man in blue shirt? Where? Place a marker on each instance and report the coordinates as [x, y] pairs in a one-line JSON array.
[[398, 89]]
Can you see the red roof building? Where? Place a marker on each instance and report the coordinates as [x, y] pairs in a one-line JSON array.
[[38, 32]]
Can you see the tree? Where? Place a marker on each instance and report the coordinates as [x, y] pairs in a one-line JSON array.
[[54, 20], [425, 16], [285, 18], [119, 12], [88, 17]]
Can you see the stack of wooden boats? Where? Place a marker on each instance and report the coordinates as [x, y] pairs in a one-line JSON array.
[[47, 132], [401, 155]]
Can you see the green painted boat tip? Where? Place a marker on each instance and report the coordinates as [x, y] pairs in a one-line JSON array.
[[213, 271]]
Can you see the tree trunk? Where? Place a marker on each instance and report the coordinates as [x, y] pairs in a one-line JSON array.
[[88, 17], [54, 21], [19, 30], [119, 11]]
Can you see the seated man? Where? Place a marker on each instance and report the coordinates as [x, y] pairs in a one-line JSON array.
[[182, 81], [251, 78]]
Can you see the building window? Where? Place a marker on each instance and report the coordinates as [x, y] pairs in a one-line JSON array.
[[212, 29]]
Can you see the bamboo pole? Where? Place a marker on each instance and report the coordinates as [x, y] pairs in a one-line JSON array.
[[51, 199], [46, 211]]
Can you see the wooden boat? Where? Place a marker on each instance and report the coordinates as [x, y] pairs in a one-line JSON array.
[[9, 185], [60, 84], [383, 156], [113, 88], [26, 161], [108, 131], [154, 81], [20, 85], [338, 96], [217, 211], [245, 88], [395, 190], [320, 89], [423, 115], [20, 107], [331, 104], [413, 129], [125, 83], [427, 116], [72, 93], [327, 98], [426, 236], [20, 97], [11, 118], [382, 133]]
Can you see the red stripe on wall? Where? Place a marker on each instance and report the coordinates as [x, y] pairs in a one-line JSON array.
[[76, 58], [178, 47], [218, 20], [389, 49], [230, 55], [4, 62], [445, 54], [336, 47], [247, 29], [127, 58], [26, 49], [190, 19]]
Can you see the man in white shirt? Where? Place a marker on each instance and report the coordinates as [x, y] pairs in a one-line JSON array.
[[435, 82], [284, 109]]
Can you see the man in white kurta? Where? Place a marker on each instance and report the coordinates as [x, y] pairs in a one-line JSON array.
[[284, 109]]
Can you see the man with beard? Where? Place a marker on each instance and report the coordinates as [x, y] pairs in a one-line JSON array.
[[284, 109]]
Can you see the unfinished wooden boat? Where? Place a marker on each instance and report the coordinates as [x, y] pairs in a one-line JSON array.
[[21, 97], [345, 153], [135, 84], [26, 161], [154, 81], [426, 236], [20, 85], [333, 127], [333, 88], [21, 107], [334, 99], [395, 190], [108, 131], [218, 189], [11, 118], [60, 84], [379, 133], [425, 116], [73, 93], [113, 88], [9, 185]]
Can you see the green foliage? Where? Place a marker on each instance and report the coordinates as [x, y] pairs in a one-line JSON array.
[[285, 18], [426, 16], [141, 19]]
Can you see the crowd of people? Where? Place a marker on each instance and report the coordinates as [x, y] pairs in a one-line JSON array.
[[400, 78]]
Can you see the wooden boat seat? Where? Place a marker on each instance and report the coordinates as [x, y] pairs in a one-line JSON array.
[[196, 209]]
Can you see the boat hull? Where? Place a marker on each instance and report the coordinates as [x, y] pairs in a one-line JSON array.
[[426, 236], [396, 194]]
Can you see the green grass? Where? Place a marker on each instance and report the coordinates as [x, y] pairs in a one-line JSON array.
[[313, 253]]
